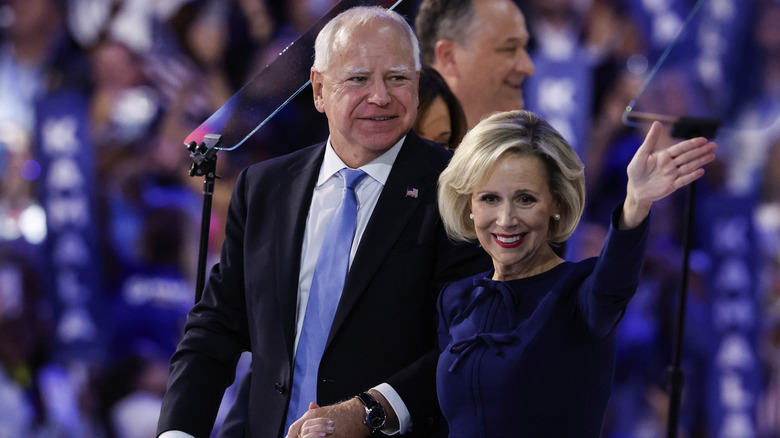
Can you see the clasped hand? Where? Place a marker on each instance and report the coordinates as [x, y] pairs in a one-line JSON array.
[[336, 421]]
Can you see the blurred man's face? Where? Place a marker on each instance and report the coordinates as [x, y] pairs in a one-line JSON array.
[[490, 67], [368, 90]]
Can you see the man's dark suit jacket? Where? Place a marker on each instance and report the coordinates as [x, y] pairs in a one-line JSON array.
[[384, 328]]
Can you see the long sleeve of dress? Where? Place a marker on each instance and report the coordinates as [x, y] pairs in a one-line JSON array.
[[606, 292]]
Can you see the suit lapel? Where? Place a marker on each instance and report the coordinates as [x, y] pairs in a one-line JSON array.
[[411, 170], [294, 195]]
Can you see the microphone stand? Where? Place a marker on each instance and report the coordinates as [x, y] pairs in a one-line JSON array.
[[204, 156], [674, 371]]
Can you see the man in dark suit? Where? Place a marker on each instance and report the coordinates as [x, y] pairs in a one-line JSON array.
[[381, 344]]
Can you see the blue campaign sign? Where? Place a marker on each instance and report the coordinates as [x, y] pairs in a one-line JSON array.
[[725, 227], [659, 23], [704, 39], [560, 91], [67, 192]]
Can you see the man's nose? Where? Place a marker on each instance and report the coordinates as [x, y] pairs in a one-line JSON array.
[[524, 64], [379, 93]]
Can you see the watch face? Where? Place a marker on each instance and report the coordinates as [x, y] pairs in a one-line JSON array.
[[376, 418]]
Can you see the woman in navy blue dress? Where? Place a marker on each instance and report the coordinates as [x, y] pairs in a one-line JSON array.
[[528, 348]]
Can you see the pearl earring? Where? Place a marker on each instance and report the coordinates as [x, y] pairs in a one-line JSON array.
[[557, 216], [471, 216]]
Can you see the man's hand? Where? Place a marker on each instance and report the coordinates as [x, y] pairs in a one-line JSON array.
[[313, 427], [347, 419]]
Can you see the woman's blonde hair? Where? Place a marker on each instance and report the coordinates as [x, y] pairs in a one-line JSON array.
[[521, 133]]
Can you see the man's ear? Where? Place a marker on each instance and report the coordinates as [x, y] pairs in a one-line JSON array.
[[417, 88], [445, 62], [316, 86]]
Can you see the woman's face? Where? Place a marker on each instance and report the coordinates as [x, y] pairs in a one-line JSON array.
[[512, 211], [434, 124]]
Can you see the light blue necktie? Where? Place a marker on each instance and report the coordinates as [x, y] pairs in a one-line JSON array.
[[330, 272]]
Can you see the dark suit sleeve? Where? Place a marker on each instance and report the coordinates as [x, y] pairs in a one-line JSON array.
[[235, 421], [204, 363], [416, 384]]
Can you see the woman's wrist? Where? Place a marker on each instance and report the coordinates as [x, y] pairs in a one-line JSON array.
[[633, 213]]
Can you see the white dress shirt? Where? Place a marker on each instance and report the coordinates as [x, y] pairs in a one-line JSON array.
[[325, 200]]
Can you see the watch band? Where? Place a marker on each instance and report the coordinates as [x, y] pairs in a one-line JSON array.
[[375, 413]]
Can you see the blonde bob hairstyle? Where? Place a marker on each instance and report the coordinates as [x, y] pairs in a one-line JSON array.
[[523, 134]]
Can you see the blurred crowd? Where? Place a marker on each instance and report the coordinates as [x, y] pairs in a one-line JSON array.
[[100, 220]]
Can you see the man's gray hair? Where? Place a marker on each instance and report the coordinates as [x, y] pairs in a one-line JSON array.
[[357, 16]]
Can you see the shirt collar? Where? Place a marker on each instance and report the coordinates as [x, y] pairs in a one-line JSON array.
[[378, 169]]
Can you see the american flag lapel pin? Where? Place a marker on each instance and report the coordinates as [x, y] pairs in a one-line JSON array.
[[411, 192]]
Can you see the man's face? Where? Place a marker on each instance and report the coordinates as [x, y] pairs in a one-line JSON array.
[[368, 90], [490, 68]]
